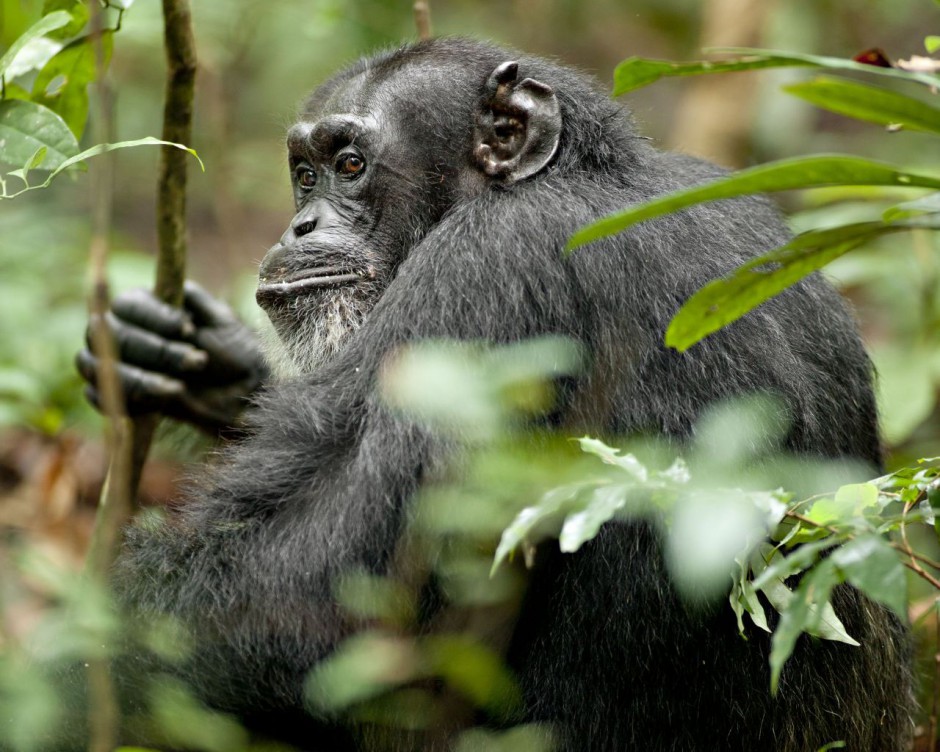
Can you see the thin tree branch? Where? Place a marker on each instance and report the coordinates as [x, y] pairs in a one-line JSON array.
[[113, 506], [180, 48], [909, 551], [935, 690], [177, 127], [422, 10]]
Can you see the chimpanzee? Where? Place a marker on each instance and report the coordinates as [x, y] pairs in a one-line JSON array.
[[435, 187]]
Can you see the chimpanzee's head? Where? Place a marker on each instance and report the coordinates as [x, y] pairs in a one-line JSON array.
[[381, 152]]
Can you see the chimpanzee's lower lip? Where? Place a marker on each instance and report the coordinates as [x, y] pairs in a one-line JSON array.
[[302, 281]]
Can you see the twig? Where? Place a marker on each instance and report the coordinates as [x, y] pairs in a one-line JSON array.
[[422, 11], [907, 549], [920, 572], [103, 717], [935, 704], [180, 48], [911, 553], [113, 507]]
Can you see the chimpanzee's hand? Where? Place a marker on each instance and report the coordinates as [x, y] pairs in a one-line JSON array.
[[198, 364]]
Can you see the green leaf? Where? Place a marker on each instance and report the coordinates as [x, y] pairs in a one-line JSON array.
[[784, 175], [31, 58], [782, 567], [580, 527], [755, 608], [857, 497], [929, 204], [42, 27], [363, 667], [933, 501], [184, 722], [475, 671], [101, 149], [871, 565], [850, 501], [809, 611], [26, 127], [77, 9], [932, 44], [636, 72], [725, 300], [803, 172], [536, 522], [31, 164], [736, 596], [873, 104], [743, 596], [69, 73], [610, 456]]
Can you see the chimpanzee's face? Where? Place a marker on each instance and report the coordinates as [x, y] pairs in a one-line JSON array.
[[374, 164]]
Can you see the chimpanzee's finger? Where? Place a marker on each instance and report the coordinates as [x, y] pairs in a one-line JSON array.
[[141, 308], [144, 391], [91, 394], [150, 351], [205, 309]]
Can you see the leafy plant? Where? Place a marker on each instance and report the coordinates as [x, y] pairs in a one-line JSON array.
[[41, 126], [826, 539], [726, 300]]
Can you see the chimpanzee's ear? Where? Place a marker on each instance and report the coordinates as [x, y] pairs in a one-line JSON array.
[[518, 127]]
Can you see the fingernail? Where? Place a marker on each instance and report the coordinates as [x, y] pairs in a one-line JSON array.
[[194, 360]]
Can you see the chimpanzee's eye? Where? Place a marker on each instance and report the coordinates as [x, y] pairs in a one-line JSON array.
[[350, 165], [306, 178]]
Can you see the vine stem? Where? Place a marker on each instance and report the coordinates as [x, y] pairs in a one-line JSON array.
[[422, 11]]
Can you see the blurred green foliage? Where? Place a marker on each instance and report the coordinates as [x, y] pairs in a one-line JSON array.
[[258, 60]]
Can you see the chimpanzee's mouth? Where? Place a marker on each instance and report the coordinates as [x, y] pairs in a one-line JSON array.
[[305, 280]]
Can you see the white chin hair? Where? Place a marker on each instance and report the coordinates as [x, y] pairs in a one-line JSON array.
[[311, 332]]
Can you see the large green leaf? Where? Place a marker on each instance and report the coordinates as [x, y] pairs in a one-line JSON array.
[[725, 300], [784, 175], [27, 127], [874, 104], [870, 564], [77, 9], [637, 72], [62, 85], [42, 27], [808, 610]]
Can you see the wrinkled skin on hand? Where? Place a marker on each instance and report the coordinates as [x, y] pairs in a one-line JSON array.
[[199, 364]]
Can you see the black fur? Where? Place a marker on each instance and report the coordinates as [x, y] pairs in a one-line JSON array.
[[604, 649]]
